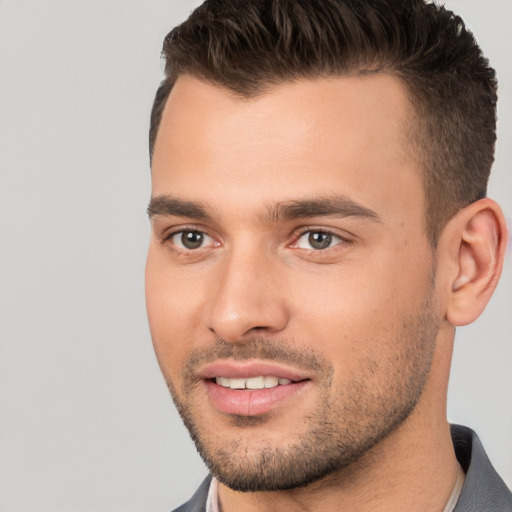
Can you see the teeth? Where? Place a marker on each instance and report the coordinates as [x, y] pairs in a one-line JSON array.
[[271, 382], [255, 383], [222, 381], [237, 383], [259, 382]]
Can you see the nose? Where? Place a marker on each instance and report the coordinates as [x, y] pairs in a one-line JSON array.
[[248, 298]]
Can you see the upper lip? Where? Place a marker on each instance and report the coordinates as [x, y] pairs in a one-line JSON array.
[[247, 369]]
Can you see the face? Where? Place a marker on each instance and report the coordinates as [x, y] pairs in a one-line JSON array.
[[289, 277]]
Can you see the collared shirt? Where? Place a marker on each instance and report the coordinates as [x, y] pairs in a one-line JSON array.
[[212, 502]]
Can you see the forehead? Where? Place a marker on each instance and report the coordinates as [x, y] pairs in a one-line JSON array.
[[343, 135]]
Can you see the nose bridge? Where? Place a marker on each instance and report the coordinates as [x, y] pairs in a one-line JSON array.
[[248, 296]]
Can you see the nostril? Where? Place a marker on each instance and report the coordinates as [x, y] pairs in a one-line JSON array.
[[233, 318]]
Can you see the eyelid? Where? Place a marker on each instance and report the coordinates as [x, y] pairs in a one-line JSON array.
[[169, 232]]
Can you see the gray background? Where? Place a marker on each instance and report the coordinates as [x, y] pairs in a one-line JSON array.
[[86, 423]]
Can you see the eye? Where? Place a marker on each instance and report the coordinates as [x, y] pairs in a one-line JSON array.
[[190, 240], [317, 240]]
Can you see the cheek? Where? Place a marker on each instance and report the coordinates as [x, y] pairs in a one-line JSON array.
[[360, 308], [171, 314]]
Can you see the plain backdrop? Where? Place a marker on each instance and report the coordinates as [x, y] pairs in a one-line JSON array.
[[86, 423]]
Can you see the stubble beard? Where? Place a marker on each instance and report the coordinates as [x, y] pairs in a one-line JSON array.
[[343, 425]]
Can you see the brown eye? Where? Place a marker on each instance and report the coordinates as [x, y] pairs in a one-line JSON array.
[[191, 239]]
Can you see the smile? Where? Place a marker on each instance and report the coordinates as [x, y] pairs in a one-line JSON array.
[[252, 388]]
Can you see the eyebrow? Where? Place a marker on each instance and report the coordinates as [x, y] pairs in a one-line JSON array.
[[166, 205], [333, 206]]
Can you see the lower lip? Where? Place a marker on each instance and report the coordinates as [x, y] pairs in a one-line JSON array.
[[251, 402]]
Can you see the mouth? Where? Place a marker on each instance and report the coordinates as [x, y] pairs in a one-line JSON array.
[[251, 388]]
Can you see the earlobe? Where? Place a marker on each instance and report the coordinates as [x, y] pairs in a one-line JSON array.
[[480, 236]]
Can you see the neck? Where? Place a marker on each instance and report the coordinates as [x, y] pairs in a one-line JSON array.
[[402, 473], [414, 469]]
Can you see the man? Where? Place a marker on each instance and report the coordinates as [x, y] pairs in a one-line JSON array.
[[320, 228]]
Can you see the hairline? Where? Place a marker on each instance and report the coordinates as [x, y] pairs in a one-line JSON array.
[[410, 131]]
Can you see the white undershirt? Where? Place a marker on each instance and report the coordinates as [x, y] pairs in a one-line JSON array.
[[457, 489], [212, 502]]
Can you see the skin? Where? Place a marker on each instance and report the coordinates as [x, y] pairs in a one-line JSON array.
[[377, 307]]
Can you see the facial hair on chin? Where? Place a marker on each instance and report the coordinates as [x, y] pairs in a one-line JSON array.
[[341, 428]]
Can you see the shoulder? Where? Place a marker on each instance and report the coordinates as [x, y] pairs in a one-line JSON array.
[[198, 502], [484, 490]]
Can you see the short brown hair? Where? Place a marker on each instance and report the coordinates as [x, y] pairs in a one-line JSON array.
[[249, 45]]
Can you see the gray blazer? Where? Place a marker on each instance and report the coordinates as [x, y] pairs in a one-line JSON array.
[[483, 491]]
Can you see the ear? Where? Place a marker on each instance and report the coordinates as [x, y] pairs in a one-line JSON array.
[[476, 239]]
